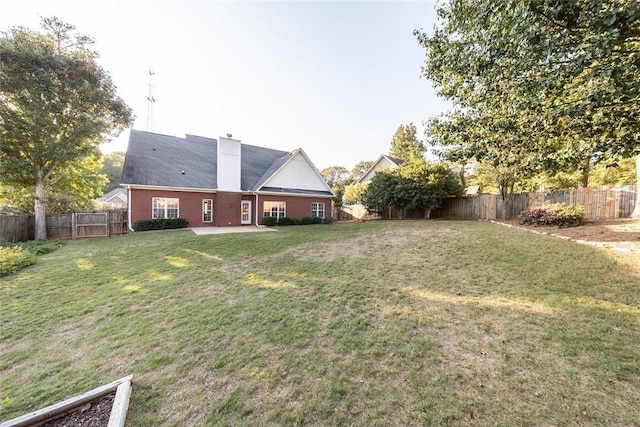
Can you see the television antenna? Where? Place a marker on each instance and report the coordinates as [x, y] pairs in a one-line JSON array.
[[150, 98]]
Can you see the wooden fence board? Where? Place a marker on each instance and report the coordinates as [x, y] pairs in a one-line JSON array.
[[65, 226], [605, 202]]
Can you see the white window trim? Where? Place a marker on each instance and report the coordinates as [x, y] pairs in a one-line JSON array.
[[154, 204], [317, 204], [266, 213], [210, 206]]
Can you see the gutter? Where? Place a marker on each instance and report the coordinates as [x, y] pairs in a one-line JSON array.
[[128, 187], [257, 207]]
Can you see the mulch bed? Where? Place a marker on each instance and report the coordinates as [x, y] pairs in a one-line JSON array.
[[92, 414]]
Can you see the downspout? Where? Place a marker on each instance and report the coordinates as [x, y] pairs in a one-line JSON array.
[[129, 208], [257, 207]]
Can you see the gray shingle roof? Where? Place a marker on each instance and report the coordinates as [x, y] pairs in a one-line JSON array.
[[159, 160]]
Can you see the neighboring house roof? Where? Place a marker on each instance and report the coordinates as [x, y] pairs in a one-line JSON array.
[[155, 160], [383, 162], [119, 195], [473, 190]]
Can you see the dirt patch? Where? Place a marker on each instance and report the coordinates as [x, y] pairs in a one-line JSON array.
[[619, 236], [93, 414]]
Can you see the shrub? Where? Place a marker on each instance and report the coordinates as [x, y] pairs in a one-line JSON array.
[[296, 221], [159, 224], [317, 220], [41, 247], [285, 221], [307, 220], [328, 221], [269, 220], [14, 258], [557, 215]]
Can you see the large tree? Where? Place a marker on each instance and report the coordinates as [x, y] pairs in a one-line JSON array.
[[405, 144], [559, 78], [57, 105]]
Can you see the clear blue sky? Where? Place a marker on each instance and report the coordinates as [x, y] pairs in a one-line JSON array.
[[334, 78]]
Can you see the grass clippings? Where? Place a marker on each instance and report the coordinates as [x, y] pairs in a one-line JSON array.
[[386, 323]]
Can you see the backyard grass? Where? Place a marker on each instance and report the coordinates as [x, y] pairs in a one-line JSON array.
[[367, 324]]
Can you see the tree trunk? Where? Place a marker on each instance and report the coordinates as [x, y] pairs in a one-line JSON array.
[[636, 209], [39, 210], [584, 177]]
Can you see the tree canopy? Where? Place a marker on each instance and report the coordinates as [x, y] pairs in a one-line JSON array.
[[56, 106], [413, 186], [405, 144], [537, 85]]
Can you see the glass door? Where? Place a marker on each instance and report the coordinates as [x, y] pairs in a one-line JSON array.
[[246, 212]]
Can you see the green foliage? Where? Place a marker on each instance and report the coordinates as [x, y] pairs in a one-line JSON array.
[[414, 185], [269, 220], [112, 167], [359, 170], [353, 193], [77, 186], [41, 248], [405, 145], [335, 176], [284, 221], [14, 258], [557, 215], [536, 85], [56, 106], [327, 221], [624, 172], [159, 224]]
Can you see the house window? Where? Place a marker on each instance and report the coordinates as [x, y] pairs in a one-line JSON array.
[[317, 210], [164, 207], [207, 210], [275, 209]]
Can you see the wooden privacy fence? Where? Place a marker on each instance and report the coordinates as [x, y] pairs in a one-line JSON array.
[[604, 202], [75, 225]]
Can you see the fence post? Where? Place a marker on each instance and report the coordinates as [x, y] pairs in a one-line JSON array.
[[73, 226]]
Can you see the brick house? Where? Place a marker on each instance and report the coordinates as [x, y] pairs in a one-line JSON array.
[[218, 183]]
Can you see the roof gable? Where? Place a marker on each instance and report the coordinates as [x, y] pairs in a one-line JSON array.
[[383, 162], [296, 172]]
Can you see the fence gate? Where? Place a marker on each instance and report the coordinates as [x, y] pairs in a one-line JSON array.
[[91, 224]]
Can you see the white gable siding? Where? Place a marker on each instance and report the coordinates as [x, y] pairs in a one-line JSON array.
[[382, 164], [298, 174], [229, 162]]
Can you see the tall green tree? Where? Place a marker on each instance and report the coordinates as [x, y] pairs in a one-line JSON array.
[[57, 105], [559, 79], [112, 167], [405, 144]]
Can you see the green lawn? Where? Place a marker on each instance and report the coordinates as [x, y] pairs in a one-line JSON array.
[[386, 323]]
